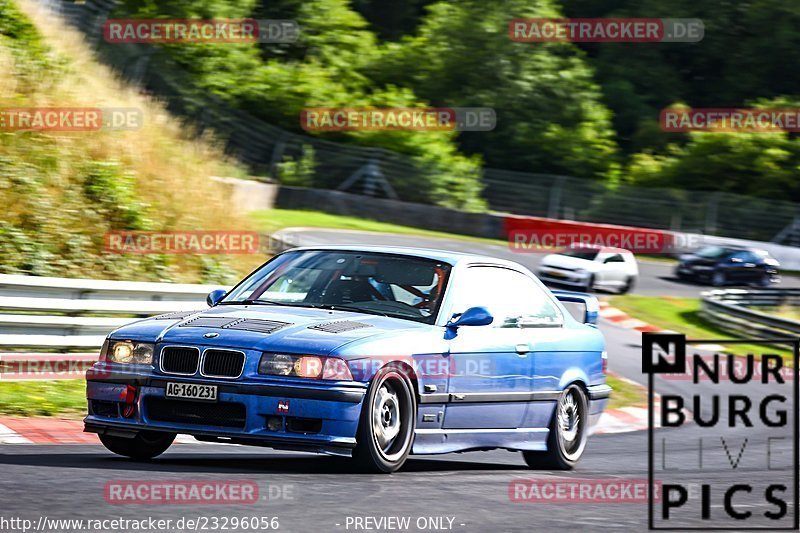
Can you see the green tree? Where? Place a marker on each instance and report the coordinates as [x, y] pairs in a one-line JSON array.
[[549, 114]]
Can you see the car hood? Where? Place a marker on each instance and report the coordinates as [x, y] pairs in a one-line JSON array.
[[265, 328], [569, 263]]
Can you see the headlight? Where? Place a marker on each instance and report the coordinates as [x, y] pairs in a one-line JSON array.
[[304, 366], [129, 352]]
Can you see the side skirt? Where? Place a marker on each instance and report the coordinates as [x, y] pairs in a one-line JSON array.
[[434, 441]]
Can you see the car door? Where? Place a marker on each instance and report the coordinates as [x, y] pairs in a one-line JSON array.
[[490, 366], [752, 267], [612, 272], [742, 267]]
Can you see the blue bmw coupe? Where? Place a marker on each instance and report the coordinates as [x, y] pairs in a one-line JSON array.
[[368, 352]]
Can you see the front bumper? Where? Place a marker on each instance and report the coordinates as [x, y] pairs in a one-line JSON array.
[[691, 272], [313, 417], [562, 277]]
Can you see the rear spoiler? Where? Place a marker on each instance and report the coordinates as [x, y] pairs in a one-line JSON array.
[[589, 302]]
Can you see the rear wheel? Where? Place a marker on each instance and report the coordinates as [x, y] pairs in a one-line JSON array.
[[145, 445], [388, 419], [568, 433], [718, 279]]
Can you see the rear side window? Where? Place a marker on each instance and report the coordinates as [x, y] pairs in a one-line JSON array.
[[746, 256], [514, 299]]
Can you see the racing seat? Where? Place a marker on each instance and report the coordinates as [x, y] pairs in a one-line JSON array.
[[349, 291]]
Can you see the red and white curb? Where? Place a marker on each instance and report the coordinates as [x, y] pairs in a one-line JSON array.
[[57, 431], [9, 436], [626, 419], [43, 430], [623, 319]]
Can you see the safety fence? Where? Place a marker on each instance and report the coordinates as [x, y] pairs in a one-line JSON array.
[[736, 311], [62, 315]]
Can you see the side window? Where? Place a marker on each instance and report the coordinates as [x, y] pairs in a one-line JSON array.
[[743, 256], [616, 258], [514, 299]]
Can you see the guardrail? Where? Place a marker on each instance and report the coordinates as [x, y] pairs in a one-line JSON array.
[[43, 313], [733, 310]]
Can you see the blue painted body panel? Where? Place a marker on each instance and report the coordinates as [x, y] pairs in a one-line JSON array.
[[446, 363]]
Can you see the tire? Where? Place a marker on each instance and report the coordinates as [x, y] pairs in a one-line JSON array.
[[388, 419], [629, 283], [718, 279], [764, 281], [145, 445], [589, 284], [566, 441]]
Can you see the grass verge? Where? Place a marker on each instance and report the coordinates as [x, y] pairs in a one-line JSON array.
[[625, 393], [272, 220], [683, 315], [63, 398]]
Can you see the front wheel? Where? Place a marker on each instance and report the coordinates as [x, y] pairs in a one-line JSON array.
[[764, 281], [388, 420], [718, 279], [589, 285], [568, 433], [145, 445], [628, 286]]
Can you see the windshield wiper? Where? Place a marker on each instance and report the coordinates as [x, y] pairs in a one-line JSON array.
[[347, 307], [258, 302]]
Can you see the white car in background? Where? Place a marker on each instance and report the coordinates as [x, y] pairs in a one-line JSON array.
[[590, 267]]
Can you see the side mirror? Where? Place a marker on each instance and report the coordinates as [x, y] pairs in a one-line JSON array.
[[474, 316], [215, 296]]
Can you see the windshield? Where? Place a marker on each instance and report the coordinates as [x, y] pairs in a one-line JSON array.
[[713, 252], [581, 253], [383, 284]]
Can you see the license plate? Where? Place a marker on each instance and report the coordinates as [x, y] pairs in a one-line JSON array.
[[192, 391], [557, 275]]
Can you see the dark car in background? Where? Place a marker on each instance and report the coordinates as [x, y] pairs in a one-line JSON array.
[[729, 265]]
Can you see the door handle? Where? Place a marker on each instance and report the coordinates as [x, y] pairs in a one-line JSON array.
[[523, 349]]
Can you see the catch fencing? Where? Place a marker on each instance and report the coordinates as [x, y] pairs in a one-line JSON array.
[[383, 173]]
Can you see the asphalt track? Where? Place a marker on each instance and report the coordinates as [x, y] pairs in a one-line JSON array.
[[472, 489]]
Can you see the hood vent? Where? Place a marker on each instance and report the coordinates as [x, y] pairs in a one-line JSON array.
[[242, 324], [178, 315], [257, 325], [340, 326], [208, 322]]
